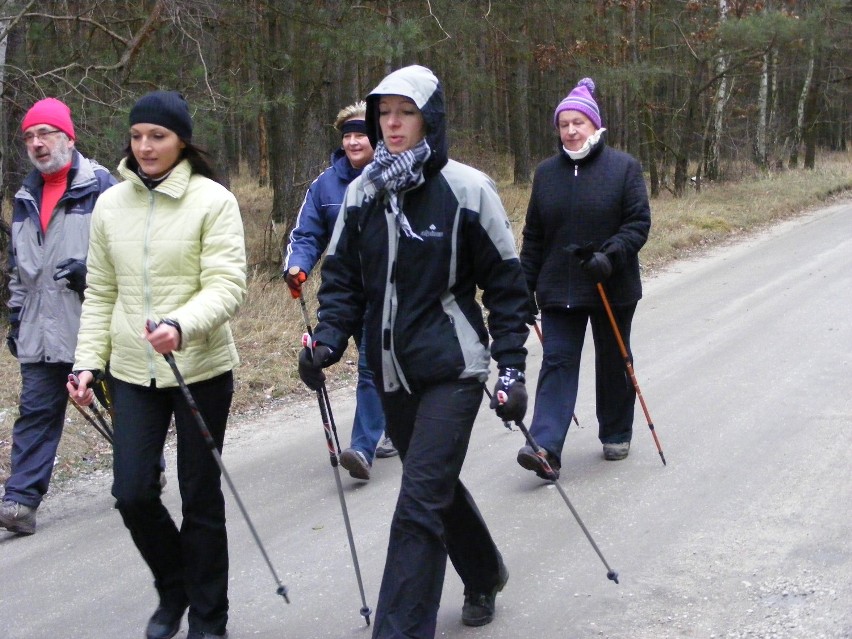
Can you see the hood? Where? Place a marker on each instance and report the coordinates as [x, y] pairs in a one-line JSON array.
[[423, 88]]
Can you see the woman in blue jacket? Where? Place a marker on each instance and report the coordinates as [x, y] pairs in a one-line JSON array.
[[587, 218], [308, 239]]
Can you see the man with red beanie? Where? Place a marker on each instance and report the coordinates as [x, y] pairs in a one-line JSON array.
[[47, 264]]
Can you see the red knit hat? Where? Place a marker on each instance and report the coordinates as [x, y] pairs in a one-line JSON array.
[[52, 112]]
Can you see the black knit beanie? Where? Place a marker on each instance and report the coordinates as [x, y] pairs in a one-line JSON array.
[[164, 108]]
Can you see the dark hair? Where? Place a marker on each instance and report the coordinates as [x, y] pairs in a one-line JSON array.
[[198, 158]]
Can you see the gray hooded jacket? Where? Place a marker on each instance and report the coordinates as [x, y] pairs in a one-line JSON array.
[[48, 311]]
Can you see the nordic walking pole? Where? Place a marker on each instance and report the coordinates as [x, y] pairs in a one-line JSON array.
[[541, 341], [208, 439], [325, 412], [611, 574], [629, 365], [107, 433], [102, 426], [506, 422]]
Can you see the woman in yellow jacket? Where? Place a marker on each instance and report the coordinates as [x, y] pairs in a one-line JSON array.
[[167, 245]]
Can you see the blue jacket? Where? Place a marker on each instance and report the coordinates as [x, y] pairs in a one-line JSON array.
[[418, 299], [316, 218]]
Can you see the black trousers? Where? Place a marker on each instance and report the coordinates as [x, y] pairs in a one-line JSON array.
[[435, 515], [190, 564]]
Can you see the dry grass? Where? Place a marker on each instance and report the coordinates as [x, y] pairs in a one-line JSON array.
[[269, 327]]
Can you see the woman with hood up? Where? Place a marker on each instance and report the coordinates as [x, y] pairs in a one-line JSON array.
[[417, 235]]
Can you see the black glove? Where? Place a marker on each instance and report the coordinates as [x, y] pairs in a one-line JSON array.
[[597, 266], [532, 310], [311, 363], [75, 272], [14, 329], [509, 400]]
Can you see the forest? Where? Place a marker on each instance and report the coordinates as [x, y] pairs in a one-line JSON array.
[[693, 88]]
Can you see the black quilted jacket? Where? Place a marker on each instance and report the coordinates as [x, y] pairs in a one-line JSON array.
[[601, 200]]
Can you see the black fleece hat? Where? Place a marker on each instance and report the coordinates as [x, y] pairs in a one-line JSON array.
[[165, 108]]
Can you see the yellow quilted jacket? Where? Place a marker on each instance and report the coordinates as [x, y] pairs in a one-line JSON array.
[[177, 252]]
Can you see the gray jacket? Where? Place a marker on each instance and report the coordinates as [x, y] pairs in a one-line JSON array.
[[48, 311]]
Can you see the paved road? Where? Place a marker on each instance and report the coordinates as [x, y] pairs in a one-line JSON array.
[[744, 359]]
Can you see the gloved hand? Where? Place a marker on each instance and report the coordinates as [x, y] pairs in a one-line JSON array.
[[295, 277], [14, 329], [311, 363], [532, 309], [597, 266], [509, 400], [75, 272]]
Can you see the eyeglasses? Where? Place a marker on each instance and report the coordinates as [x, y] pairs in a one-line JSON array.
[[31, 137]]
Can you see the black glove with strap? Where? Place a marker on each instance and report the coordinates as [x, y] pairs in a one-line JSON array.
[[509, 400], [75, 272], [14, 329], [311, 363], [598, 266]]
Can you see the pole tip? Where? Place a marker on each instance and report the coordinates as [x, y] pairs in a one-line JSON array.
[[282, 590], [612, 576], [366, 612]]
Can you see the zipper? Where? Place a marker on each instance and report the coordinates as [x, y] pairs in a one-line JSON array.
[[146, 283]]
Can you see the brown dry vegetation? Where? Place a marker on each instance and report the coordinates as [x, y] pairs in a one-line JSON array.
[[268, 328]]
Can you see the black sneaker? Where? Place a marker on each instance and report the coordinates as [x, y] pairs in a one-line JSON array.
[[164, 623], [529, 460], [478, 608], [198, 634], [17, 518], [356, 463]]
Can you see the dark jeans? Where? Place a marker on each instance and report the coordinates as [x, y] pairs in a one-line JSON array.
[[190, 565], [435, 516], [556, 394], [37, 431]]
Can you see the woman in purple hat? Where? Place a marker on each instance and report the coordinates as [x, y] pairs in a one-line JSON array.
[[587, 218]]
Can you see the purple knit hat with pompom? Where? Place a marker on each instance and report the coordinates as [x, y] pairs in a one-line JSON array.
[[580, 99]]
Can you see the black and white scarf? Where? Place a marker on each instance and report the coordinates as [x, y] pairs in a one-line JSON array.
[[395, 173]]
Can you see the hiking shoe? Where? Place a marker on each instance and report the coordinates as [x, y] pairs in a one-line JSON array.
[[478, 608], [529, 460], [356, 463], [614, 452], [17, 518], [199, 634], [164, 623], [386, 449]]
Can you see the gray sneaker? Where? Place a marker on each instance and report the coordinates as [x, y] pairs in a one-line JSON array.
[[615, 452], [356, 463], [386, 449], [17, 518]]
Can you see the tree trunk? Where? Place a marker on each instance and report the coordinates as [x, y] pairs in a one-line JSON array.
[[519, 117], [800, 111], [712, 153], [762, 106]]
